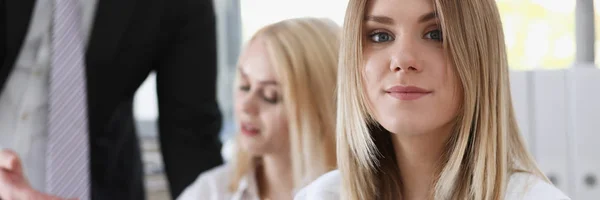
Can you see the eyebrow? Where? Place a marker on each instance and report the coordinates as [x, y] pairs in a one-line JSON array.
[[265, 82], [428, 16], [379, 19], [269, 82], [390, 21]]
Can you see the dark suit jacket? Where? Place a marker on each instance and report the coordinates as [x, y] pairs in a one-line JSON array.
[[129, 39]]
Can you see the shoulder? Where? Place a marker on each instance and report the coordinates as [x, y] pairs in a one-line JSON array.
[[212, 182], [217, 176], [326, 187], [526, 186]]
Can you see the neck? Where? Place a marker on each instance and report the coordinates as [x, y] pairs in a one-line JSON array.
[[418, 158], [274, 177]]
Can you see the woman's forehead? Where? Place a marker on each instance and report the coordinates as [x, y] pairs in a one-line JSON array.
[[399, 9], [255, 63]]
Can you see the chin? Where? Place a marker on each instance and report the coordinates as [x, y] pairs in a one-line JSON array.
[[402, 127], [252, 148], [405, 130], [255, 153]]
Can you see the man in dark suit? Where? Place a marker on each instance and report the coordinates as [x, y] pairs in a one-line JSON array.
[[126, 40]]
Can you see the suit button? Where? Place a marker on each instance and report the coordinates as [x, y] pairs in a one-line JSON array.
[[37, 72], [590, 180], [24, 116]]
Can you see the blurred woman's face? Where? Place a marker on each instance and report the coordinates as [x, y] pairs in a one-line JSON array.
[[259, 109], [411, 86]]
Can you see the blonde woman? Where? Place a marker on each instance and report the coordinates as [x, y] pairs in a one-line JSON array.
[[285, 109], [424, 107]]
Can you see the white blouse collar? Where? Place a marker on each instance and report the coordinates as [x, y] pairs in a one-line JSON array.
[[248, 188]]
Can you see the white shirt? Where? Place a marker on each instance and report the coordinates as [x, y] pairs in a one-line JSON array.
[[521, 186], [24, 100], [214, 185]]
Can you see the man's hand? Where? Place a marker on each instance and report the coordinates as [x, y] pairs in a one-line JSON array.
[[13, 184]]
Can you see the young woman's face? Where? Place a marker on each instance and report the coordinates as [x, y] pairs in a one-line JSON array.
[[411, 86], [259, 108]]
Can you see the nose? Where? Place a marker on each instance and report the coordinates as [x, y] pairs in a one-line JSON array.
[[247, 104], [404, 56]]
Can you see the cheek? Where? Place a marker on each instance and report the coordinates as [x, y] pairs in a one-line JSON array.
[[375, 69], [276, 122], [237, 103], [237, 100], [450, 90], [276, 138]]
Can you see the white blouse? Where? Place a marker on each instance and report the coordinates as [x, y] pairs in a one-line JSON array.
[[521, 186], [214, 185]]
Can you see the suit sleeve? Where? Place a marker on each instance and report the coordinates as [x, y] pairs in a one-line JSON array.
[[2, 33], [189, 117]]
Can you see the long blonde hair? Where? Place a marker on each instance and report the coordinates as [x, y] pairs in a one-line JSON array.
[[485, 147], [304, 52]]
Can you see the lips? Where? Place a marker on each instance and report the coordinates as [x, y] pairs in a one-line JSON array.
[[249, 129], [407, 93]]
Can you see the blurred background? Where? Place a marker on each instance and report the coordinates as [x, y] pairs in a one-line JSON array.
[[555, 81]]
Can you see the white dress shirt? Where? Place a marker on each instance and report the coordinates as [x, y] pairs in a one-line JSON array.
[[521, 186], [214, 185], [24, 100]]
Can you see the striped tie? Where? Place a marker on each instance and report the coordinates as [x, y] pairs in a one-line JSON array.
[[67, 153]]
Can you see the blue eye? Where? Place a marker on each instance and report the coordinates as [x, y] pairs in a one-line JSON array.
[[379, 37], [434, 35]]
